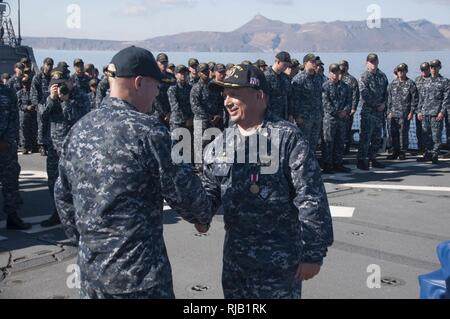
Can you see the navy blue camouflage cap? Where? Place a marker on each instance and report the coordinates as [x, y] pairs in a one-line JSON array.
[[162, 58], [310, 57], [425, 66], [49, 61], [181, 69], [133, 62], [220, 68], [242, 76], [260, 63], [203, 68], [436, 63], [283, 57], [372, 58], [403, 67], [78, 62], [193, 63]]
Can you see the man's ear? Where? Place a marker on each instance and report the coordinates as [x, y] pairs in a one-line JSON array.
[[138, 82]]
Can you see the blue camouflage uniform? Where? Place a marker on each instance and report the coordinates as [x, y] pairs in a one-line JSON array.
[[111, 202], [81, 82], [336, 98], [102, 91], [403, 99], [280, 94], [180, 105], [62, 116], [307, 92], [284, 223], [434, 99], [420, 139], [161, 105], [9, 164], [15, 83], [353, 84], [29, 123], [40, 91], [373, 89]]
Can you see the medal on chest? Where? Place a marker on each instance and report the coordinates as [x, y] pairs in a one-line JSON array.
[[254, 188]]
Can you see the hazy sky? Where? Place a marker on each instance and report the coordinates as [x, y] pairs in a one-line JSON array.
[[142, 19]]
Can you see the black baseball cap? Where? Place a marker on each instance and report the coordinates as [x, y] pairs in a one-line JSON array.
[[344, 63], [260, 63], [49, 61], [134, 61], [220, 68], [20, 65], [372, 58], [162, 58], [283, 56], [211, 65], [203, 68], [319, 61], [246, 62], [78, 62], [425, 66], [335, 68], [59, 75], [193, 63], [310, 57], [242, 76], [181, 69], [436, 64], [402, 67], [171, 66], [294, 63]]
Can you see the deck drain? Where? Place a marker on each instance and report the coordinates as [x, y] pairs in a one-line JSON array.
[[392, 282], [201, 235], [199, 288], [357, 233]]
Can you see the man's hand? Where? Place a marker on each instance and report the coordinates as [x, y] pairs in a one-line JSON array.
[[307, 271], [216, 120], [440, 117], [343, 114], [389, 116], [291, 119], [353, 112], [62, 97], [189, 123], [202, 229], [4, 146], [381, 108], [30, 108], [167, 117], [410, 116], [420, 117], [54, 91]]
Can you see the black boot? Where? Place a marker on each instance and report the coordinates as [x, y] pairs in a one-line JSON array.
[[341, 169], [435, 158], [363, 165], [427, 157], [14, 222], [52, 221], [376, 164], [446, 156], [393, 156], [328, 169], [402, 156]]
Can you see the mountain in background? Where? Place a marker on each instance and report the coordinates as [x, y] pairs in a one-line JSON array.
[[265, 35]]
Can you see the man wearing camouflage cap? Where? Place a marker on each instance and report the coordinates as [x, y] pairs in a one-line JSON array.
[[65, 105], [179, 99], [434, 102], [278, 224], [40, 90], [280, 94], [79, 77], [373, 88], [307, 92], [403, 99], [161, 105], [15, 82], [111, 202], [425, 73], [193, 74], [337, 106]]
